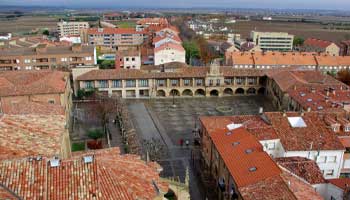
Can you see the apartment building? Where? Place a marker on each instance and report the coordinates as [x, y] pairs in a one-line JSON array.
[[47, 57], [182, 82], [71, 28], [274, 60], [169, 52], [272, 41], [224, 143], [128, 59], [320, 46], [115, 38]]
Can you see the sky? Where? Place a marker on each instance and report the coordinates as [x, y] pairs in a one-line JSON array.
[[280, 4]]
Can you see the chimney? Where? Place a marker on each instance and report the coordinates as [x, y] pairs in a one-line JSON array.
[[308, 109], [284, 113], [302, 113], [261, 110], [326, 99], [295, 87], [313, 90]]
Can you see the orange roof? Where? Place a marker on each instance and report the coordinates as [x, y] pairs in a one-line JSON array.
[[170, 45], [108, 175], [317, 43], [345, 141], [342, 183], [166, 36]]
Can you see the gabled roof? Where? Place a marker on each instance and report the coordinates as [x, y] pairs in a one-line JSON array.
[[317, 43], [342, 183], [304, 168], [169, 45], [27, 135], [18, 83], [315, 136], [109, 175]]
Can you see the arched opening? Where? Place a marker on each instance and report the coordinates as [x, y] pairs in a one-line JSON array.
[[199, 92], [174, 93], [160, 93], [187, 92], [239, 91], [214, 93], [170, 194], [261, 91], [228, 92], [251, 91]]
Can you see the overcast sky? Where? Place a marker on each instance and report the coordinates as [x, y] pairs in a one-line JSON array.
[[300, 4]]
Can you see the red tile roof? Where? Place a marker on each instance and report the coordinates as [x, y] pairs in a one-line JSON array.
[[161, 21], [300, 188], [166, 37], [109, 176], [267, 189], [303, 168], [317, 43], [316, 136], [342, 183], [17, 83], [169, 45], [34, 108], [26, 135]]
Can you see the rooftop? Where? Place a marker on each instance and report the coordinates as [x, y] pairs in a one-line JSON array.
[[18, 83], [342, 183], [317, 43], [49, 50], [304, 168], [102, 174], [27, 135], [97, 31]]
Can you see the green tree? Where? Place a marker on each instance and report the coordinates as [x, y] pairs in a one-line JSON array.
[[192, 50], [46, 32], [298, 41]]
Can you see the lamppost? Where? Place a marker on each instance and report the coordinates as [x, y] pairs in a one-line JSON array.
[[173, 93]]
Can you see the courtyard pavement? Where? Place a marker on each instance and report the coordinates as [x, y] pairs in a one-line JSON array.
[[159, 119]]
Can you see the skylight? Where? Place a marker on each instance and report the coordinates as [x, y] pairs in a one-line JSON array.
[[54, 163], [296, 122], [252, 169], [233, 126]]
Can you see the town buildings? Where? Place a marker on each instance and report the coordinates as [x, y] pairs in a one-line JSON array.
[[35, 112], [169, 52], [323, 46], [226, 142], [128, 59], [301, 60], [184, 81], [71, 28], [115, 38], [47, 57], [345, 48], [100, 174], [272, 41]]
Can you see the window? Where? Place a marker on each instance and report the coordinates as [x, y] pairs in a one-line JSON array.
[[199, 82], [28, 67], [332, 159], [271, 146], [130, 83], [127, 59], [143, 83], [161, 83], [51, 101], [211, 82], [347, 128], [321, 159], [228, 81], [187, 82], [64, 59], [53, 60], [329, 172], [240, 80], [174, 82], [89, 84], [133, 59], [103, 84], [116, 83], [218, 82], [88, 58], [26, 60]]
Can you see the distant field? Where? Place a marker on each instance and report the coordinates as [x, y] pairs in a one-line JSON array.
[[27, 23], [126, 24], [301, 29]]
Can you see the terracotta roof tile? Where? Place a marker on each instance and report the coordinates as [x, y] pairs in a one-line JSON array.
[[304, 168], [17, 83], [169, 45], [342, 183], [317, 42], [26, 135], [108, 176]]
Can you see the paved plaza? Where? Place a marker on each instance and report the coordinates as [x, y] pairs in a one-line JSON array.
[[158, 118]]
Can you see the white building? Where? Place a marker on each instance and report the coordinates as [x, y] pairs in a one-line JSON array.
[[169, 52], [6, 36], [130, 59], [74, 39], [273, 41], [71, 28]]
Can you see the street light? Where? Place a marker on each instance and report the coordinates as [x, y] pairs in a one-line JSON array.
[[173, 93]]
